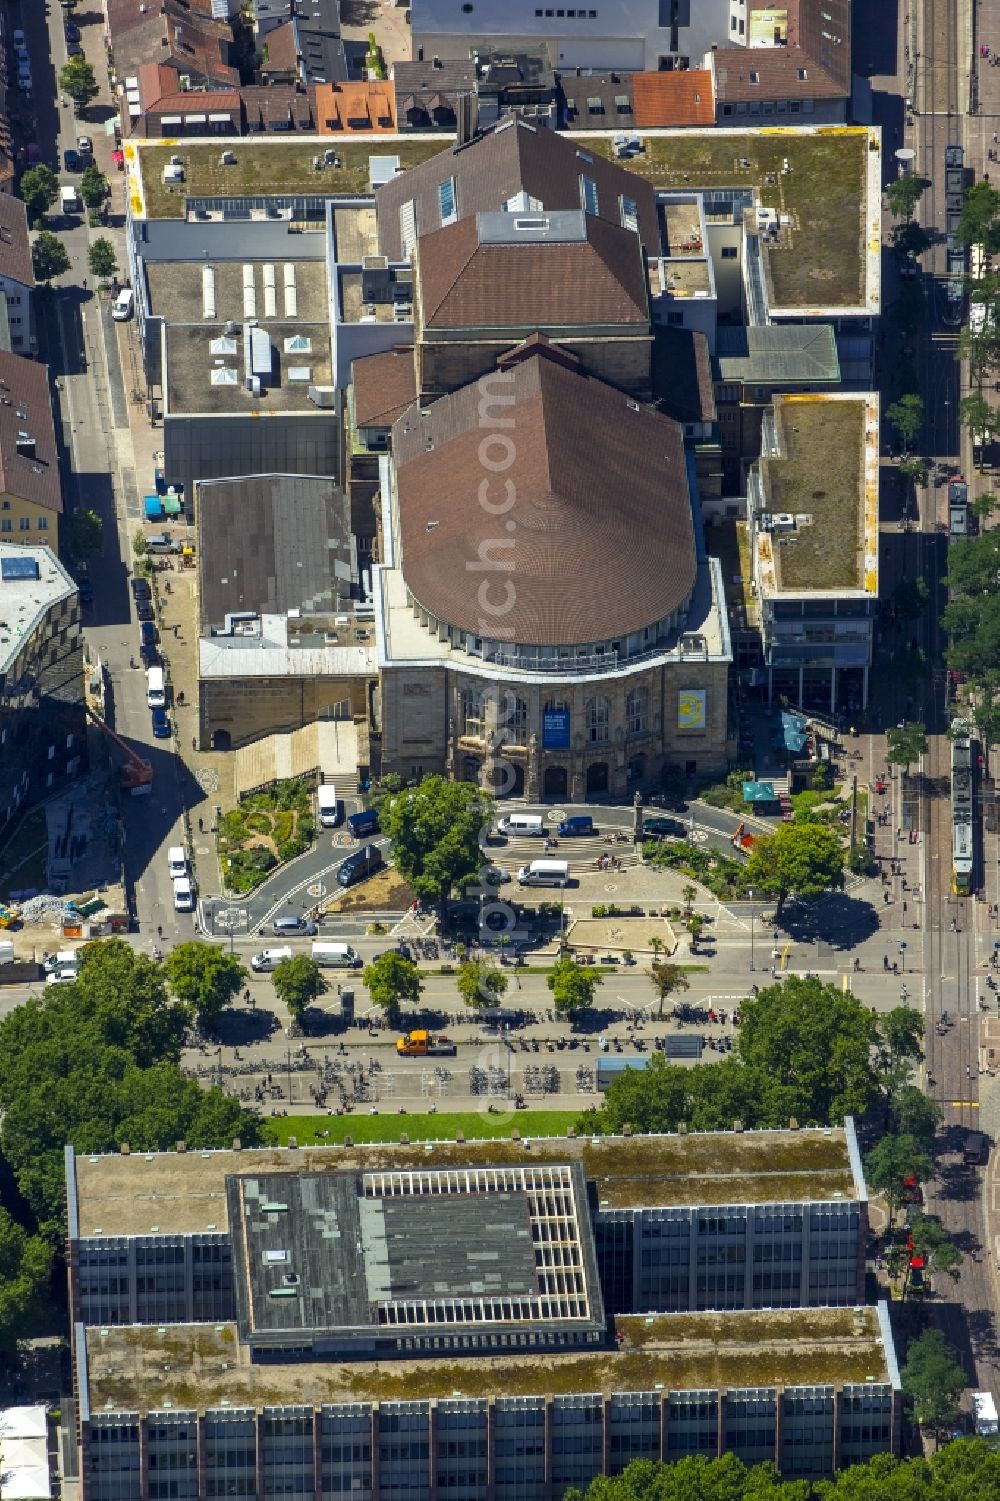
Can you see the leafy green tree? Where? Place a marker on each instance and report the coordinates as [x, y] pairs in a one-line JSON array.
[[916, 1115], [435, 831], [49, 256], [903, 194], [977, 224], [93, 186], [810, 1046], [914, 470], [891, 1163], [76, 78], [931, 1241], [934, 1381], [25, 1270], [978, 416], [205, 978], [910, 598], [85, 533], [481, 984], [102, 260], [900, 1045], [667, 978], [907, 416], [983, 506], [573, 985], [298, 982], [801, 860], [391, 979], [911, 239], [39, 189], [906, 744]]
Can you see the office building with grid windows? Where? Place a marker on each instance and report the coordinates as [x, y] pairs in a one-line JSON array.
[[492, 1321]]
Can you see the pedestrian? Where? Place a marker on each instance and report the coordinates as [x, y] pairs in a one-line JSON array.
[[246, 996], [201, 826]]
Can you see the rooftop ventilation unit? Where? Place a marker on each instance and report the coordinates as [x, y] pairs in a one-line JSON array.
[[208, 293], [291, 295], [270, 303], [249, 293]]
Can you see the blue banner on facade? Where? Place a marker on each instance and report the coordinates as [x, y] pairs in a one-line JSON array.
[[555, 729]]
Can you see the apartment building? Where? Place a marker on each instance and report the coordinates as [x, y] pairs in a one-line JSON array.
[[267, 1321]]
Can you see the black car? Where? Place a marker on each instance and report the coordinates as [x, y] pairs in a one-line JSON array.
[[71, 160], [144, 609], [147, 633], [664, 828], [72, 32], [140, 588], [149, 656]]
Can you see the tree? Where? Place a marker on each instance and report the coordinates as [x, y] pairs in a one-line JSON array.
[[978, 416], [25, 1270], [573, 985], [102, 260], [84, 533], [93, 187], [804, 860], [76, 78], [906, 744], [390, 979], [435, 830], [298, 982], [901, 1035], [931, 1241], [666, 978], [39, 189], [916, 1115], [688, 894], [933, 1380], [809, 1045], [977, 224], [914, 470], [892, 1163], [481, 984], [910, 598], [911, 239], [907, 417], [903, 194], [205, 978], [49, 256]]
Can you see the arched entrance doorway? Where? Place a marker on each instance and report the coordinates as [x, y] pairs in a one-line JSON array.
[[597, 777], [506, 778], [555, 782], [636, 769], [222, 740], [471, 767]]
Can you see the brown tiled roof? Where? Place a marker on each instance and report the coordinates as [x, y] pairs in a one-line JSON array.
[[185, 36], [539, 284], [270, 104], [682, 374], [780, 73], [822, 28], [576, 90], [26, 406], [282, 53], [384, 386], [602, 535], [15, 252], [680, 98], [365, 107], [511, 158], [197, 102], [453, 76]]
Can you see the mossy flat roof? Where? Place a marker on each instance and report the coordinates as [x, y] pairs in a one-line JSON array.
[[184, 1192], [821, 263], [193, 1366]]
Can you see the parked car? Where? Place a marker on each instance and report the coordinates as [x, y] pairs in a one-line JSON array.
[[73, 49], [161, 724], [72, 32], [283, 926], [495, 875], [139, 587], [71, 160], [661, 828], [85, 146], [147, 633], [144, 609], [19, 38], [149, 657]]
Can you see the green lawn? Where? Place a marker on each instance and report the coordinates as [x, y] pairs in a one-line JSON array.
[[478, 1125]]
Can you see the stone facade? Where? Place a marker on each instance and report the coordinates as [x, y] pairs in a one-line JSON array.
[[236, 711]]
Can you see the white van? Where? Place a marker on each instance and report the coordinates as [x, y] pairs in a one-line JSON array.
[[183, 894], [177, 861], [124, 305], [523, 825], [330, 810], [269, 959], [64, 959], [69, 199], [156, 688], [544, 873], [336, 956]]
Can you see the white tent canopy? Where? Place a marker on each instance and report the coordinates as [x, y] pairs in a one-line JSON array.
[[24, 1462]]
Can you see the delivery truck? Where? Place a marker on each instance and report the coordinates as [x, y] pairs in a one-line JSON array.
[[424, 1045]]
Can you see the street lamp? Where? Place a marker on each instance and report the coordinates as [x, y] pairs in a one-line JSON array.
[[750, 895]]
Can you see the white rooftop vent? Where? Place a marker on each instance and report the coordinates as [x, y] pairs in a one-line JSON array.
[[223, 345], [301, 374], [208, 293], [298, 344], [270, 304], [291, 295], [249, 293], [224, 375]]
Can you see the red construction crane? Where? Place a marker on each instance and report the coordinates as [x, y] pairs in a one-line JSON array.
[[136, 774]]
